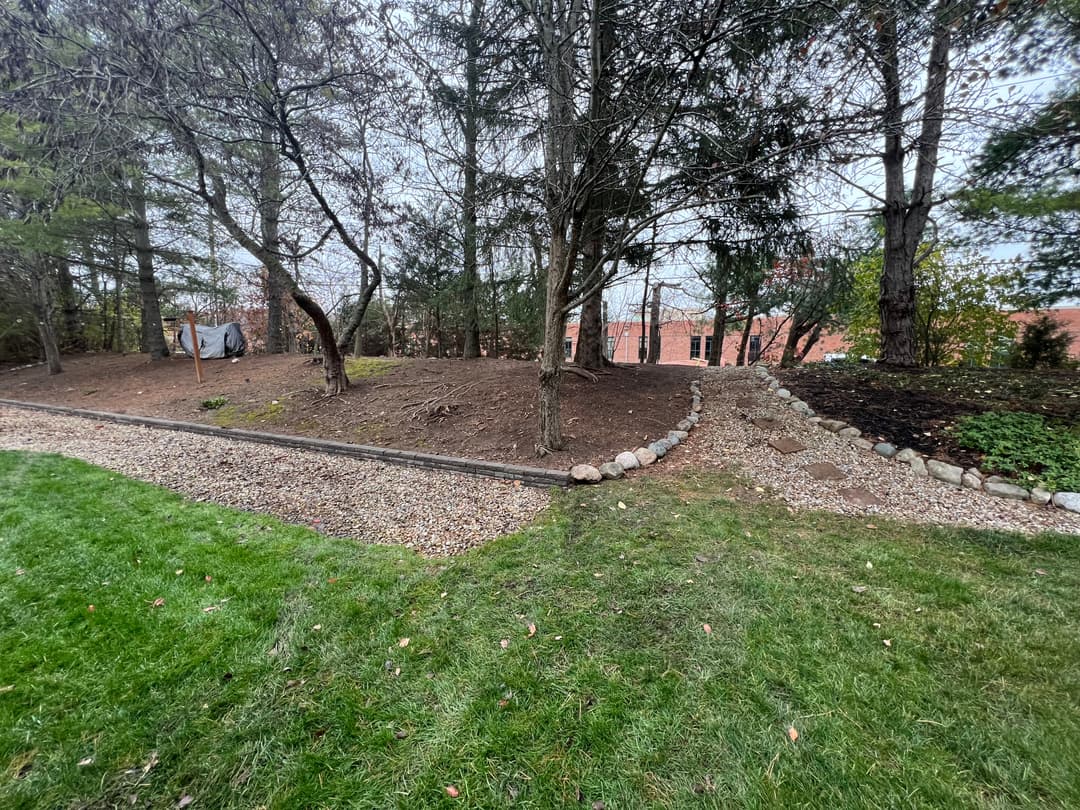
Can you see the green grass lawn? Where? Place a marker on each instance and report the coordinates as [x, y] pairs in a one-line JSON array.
[[236, 662]]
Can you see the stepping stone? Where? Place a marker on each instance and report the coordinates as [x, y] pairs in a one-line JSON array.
[[860, 496], [785, 445], [824, 471], [765, 423]]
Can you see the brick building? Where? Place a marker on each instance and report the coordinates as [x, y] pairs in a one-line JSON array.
[[686, 342]]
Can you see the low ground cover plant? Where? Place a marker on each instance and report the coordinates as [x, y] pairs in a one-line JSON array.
[[1026, 447]]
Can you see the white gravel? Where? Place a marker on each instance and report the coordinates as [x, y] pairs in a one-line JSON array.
[[436, 513], [727, 437]]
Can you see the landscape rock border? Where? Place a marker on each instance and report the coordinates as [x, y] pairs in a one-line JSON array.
[[971, 478], [643, 456]]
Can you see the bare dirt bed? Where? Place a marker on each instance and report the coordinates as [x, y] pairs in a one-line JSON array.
[[916, 407], [483, 409]]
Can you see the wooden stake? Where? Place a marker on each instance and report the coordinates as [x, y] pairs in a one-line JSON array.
[[195, 345]]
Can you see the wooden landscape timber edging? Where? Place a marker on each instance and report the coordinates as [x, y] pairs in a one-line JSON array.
[[531, 476]]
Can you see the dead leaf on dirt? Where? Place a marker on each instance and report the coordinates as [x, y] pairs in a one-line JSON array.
[[452, 791], [707, 628], [792, 733], [504, 643], [185, 800], [403, 642], [86, 761], [532, 631]]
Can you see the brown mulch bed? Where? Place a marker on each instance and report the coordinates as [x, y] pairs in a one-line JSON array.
[[915, 407], [483, 409]]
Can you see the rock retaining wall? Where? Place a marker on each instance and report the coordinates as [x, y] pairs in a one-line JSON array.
[[642, 456]]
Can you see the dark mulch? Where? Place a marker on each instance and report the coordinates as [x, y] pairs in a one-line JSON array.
[[472, 408], [915, 407]]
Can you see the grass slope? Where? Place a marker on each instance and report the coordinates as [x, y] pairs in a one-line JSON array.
[[296, 691]]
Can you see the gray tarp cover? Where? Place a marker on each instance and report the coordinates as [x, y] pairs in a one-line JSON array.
[[226, 340]]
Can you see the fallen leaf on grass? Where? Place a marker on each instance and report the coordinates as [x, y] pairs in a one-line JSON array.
[[208, 578], [332, 580], [317, 628], [869, 566], [792, 733], [86, 761], [211, 608], [185, 800], [504, 643], [400, 735], [707, 628], [404, 642], [20, 572], [1040, 572], [859, 588], [532, 631], [179, 571], [887, 642], [90, 608], [622, 505], [452, 792], [7, 688], [159, 602]]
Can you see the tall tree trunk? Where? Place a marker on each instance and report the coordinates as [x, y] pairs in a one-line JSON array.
[[270, 230], [470, 272], [906, 215], [748, 327], [494, 305], [74, 336], [559, 26], [151, 335], [41, 287], [719, 324], [592, 336], [654, 325]]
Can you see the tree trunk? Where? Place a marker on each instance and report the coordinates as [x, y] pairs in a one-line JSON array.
[[654, 325], [470, 274], [906, 215], [270, 230], [74, 337], [719, 324], [552, 355], [592, 336], [748, 327], [151, 335], [41, 287]]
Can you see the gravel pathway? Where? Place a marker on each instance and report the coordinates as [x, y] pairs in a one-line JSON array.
[[436, 513], [726, 436]]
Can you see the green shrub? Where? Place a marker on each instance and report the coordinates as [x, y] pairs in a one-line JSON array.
[[1044, 344], [215, 403], [1026, 447]]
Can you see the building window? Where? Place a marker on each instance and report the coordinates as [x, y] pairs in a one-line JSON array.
[[695, 347], [568, 348], [755, 349], [611, 348], [708, 346]]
